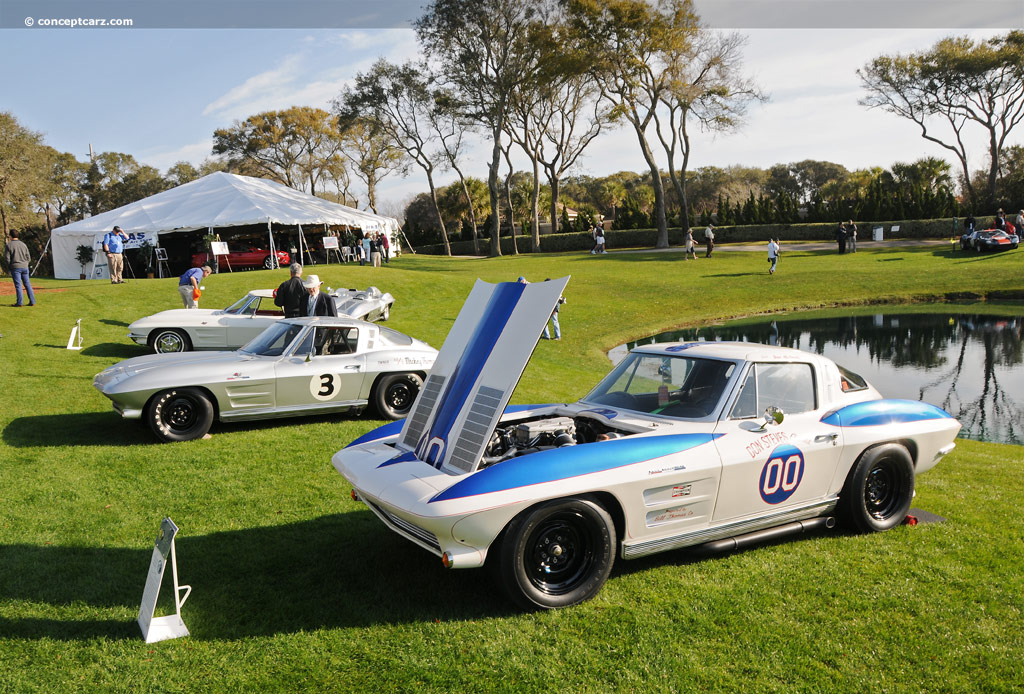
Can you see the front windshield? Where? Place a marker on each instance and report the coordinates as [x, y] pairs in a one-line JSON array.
[[671, 386], [239, 305], [273, 341]]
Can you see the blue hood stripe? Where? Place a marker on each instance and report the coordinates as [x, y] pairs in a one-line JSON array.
[[475, 355], [881, 412], [570, 461]]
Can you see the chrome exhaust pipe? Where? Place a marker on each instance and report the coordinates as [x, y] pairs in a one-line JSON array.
[[768, 534]]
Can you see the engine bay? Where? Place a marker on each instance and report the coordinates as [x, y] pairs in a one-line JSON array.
[[527, 436]]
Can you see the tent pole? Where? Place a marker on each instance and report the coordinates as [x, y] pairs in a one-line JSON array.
[[43, 254], [273, 249]]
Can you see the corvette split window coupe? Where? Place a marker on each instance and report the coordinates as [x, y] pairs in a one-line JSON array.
[[704, 444], [989, 240], [297, 366], [182, 329]]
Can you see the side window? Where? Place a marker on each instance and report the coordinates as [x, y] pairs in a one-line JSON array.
[[335, 341], [787, 386]]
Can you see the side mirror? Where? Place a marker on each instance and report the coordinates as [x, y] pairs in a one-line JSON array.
[[772, 415]]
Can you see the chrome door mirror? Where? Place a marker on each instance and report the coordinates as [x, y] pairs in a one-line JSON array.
[[772, 415]]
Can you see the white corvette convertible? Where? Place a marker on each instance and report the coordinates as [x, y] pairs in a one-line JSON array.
[[685, 444], [184, 330]]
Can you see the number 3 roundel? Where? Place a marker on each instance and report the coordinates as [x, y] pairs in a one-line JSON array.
[[781, 475], [323, 386]]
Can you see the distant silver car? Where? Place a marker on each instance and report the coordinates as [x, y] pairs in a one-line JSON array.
[[370, 304], [297, 366], [183, 330]]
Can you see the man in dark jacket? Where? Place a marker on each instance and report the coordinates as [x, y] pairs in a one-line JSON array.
[[316, 303], [291, 295]]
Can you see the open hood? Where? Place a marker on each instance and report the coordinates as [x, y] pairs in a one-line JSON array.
[[476, 371]]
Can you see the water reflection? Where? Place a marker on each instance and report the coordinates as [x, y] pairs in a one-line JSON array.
[[964, 363]]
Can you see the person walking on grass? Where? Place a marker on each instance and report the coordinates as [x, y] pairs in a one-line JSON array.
[[709, 239], [690, 250], [773, 255]]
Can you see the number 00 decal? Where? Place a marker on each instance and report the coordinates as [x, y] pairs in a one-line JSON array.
[[781, 475], [323, 386]]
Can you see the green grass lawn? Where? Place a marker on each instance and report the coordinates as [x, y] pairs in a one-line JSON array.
[[297, 587]]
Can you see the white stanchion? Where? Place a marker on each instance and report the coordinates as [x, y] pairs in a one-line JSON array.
[[76, 332], [170, 626]]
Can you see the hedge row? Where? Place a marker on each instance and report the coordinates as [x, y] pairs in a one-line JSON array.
[[641, 238]]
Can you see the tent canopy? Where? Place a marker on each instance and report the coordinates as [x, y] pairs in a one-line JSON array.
[[214, 201], [225, 200]]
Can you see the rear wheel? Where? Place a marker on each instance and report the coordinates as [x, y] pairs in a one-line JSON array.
[[395, 393], [180, 414], [879, 489], [557, 554], [169, 340]]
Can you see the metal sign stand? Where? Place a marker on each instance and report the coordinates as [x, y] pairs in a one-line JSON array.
[[171, 626], [76, 331]]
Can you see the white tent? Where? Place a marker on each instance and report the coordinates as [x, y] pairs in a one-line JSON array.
[[214, 201]]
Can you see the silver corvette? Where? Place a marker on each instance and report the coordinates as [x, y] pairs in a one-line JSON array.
[[297, 366], [183, 330]]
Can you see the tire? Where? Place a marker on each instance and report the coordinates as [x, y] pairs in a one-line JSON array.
[[169, 341], [963, 246], [180, 414], [394, 394], [268, 262], [879, 489], [557, 554], [386, 313]]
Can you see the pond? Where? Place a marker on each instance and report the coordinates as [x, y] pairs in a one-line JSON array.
[[969, 364]]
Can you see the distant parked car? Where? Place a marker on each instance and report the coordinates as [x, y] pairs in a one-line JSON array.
[[989, 240], [184, 330], [370, 304], [250, 257], [297, 366]]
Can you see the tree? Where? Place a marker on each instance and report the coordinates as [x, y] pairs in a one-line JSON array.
[[451, 131], [481, 48], [115, 179], [634, 62], [181, 172], [67, 178], [398, 101], [706, 87], [24, 171], [951, 85], [294, 146], [372, 154]]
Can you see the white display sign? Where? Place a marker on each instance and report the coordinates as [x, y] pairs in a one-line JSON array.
[[331, 242], [170, 626], [219, 247]]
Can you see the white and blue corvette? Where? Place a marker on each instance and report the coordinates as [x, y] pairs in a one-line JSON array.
[[711, 444]]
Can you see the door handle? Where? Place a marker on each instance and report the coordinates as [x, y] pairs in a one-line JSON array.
[[825, 438], [353, 367]]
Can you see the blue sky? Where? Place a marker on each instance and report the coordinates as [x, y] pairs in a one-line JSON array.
[[159, 94]]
